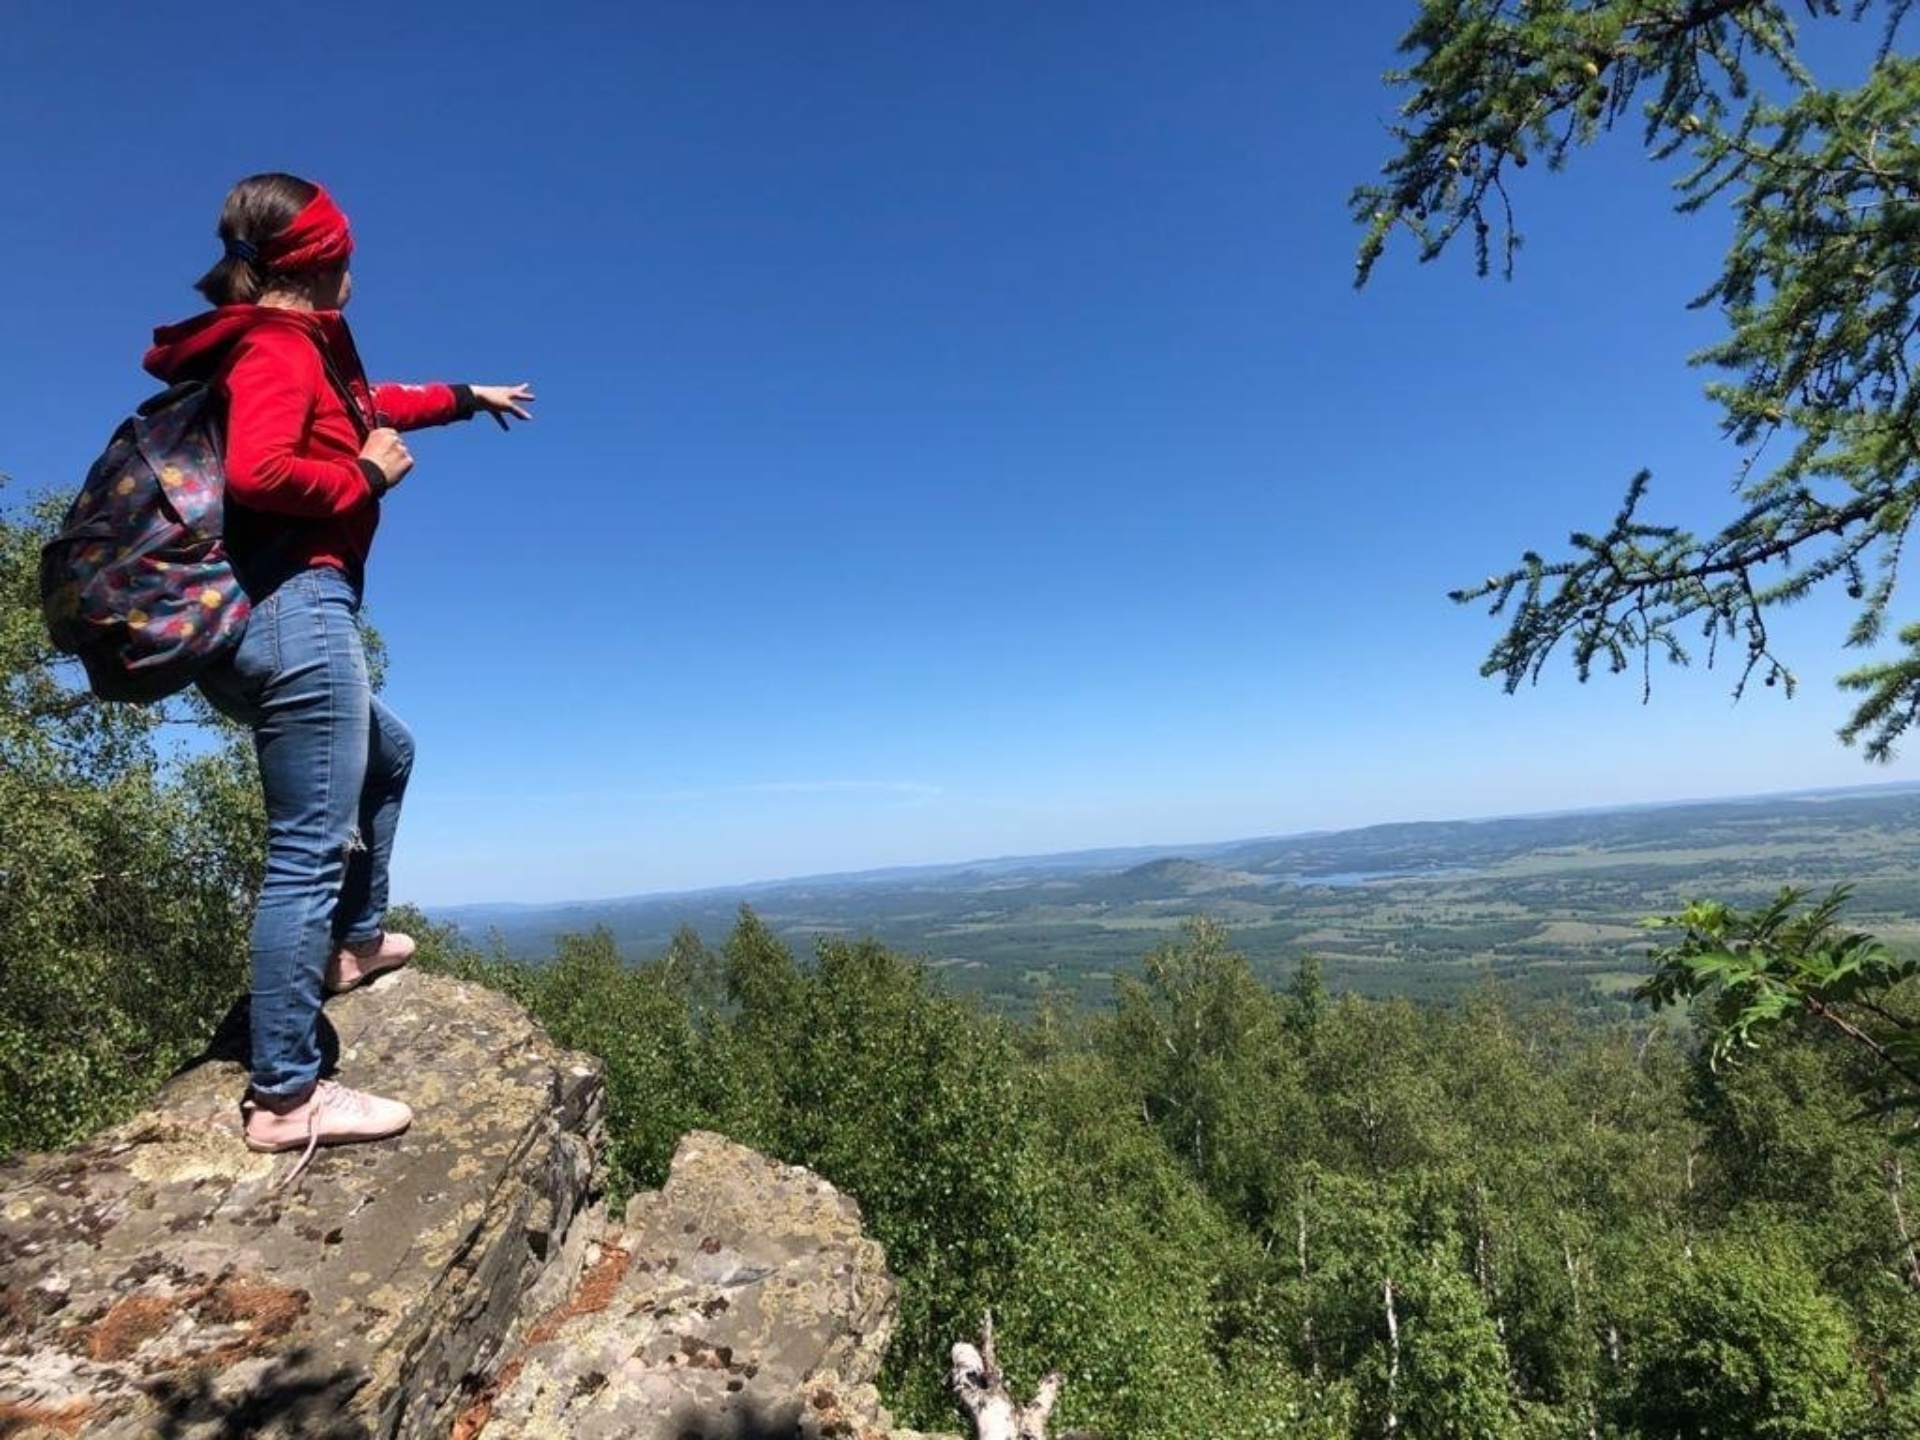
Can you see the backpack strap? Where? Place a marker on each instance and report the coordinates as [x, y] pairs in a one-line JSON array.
[[179, 391], [361, 424]]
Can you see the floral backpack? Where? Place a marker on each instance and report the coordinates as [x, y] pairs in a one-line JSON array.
[[137, 583]]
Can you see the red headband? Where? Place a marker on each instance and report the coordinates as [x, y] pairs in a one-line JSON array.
[[315, 239]]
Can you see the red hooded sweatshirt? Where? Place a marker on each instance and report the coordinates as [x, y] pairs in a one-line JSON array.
[[295, 481]]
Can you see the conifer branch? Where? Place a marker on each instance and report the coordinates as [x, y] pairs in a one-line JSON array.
[[1819, 291]]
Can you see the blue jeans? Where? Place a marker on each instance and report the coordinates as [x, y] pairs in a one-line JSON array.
[[334, 763]]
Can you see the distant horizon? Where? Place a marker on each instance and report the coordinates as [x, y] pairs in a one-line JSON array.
[[1145, 852]]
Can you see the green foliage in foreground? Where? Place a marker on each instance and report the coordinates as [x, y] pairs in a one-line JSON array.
[[1782, 961], [1740, 1340], [1230, 1210], [125, 887]]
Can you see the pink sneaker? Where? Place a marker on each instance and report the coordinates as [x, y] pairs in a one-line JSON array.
[[354, 965], [330, 1114]]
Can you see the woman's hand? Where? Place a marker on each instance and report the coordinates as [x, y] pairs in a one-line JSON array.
[[501, 401], [389, 452]]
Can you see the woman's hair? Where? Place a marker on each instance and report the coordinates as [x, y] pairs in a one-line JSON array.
[[257, 209]]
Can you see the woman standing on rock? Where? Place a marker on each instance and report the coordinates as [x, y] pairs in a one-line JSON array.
[[312, 450]]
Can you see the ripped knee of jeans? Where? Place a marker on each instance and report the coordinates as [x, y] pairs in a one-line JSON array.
[[353, 844]]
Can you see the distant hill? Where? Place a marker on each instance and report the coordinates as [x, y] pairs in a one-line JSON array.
[[1550, 904], [1175, 876]]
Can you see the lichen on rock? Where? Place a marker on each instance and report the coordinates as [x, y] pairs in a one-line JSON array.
[[741, 1300], [153, 1279]]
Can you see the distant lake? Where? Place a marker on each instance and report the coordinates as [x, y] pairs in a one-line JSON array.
[[1341, 879]]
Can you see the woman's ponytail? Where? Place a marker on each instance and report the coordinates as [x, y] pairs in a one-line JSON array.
[[257, 209]]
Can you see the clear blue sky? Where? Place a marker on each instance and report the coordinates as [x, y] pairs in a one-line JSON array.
[[958, 433]]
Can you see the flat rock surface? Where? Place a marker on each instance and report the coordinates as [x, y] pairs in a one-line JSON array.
[[154, 1282], [740, 1302]]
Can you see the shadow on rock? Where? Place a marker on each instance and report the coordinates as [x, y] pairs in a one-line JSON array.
[[746, 1420], [232, 1042], [293, 1398]]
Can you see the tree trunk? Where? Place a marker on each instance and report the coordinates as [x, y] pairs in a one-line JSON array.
[[1894, 1177], [1306, 1296], [1393, 1364], [982, 1391]]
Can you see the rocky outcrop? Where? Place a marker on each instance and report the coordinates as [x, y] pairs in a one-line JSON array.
[[153, 1281], [740, 1301], [458, 1280]]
